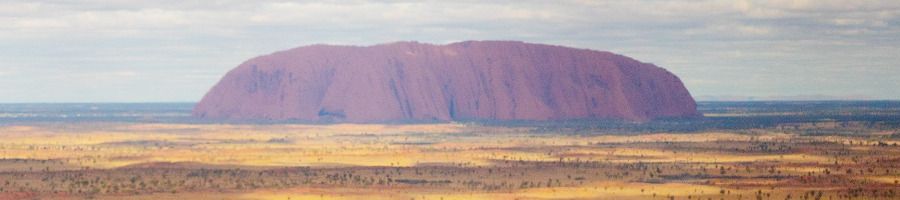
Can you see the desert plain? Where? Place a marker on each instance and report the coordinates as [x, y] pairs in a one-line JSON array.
[[128, 160]]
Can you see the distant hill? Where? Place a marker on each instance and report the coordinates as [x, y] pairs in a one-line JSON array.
[[785, 98], [473, 80]]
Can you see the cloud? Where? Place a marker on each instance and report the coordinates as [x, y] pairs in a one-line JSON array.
[[714, 45]]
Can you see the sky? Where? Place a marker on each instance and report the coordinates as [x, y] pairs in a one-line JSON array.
[[174, 51]]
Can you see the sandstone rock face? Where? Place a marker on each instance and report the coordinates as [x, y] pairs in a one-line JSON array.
[[473, 80]]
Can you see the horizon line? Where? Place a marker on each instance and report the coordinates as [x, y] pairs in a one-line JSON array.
[[195, 102]]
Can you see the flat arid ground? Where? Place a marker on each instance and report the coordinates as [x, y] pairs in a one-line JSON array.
[[825, 158]]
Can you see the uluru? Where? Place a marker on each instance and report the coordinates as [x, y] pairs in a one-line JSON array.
[[471, 80]]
